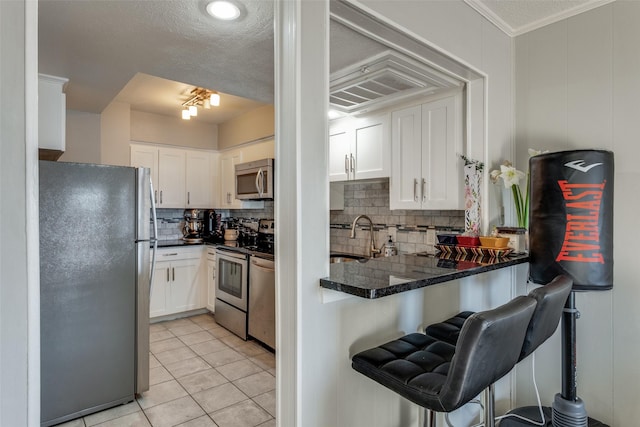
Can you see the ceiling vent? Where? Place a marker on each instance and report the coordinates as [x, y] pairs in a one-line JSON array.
[[383, 79]]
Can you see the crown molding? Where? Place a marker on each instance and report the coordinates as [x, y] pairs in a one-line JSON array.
[[496, 20]]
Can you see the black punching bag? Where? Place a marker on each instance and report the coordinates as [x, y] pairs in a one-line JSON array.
[[571, 218]]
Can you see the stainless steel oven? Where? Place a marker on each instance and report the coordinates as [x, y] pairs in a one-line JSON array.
[[232, 291]]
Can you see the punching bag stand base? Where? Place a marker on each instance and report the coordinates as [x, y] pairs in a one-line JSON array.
[[533, 413]]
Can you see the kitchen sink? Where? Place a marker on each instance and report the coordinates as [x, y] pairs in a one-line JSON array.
[[336, 258]]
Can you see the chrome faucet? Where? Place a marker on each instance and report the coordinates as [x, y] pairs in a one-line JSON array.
[[372, 248]]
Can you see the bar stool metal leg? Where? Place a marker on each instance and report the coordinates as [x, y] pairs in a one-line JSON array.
[[429, 418], [489, 407]]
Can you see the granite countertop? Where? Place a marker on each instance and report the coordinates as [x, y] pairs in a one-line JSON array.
[[177, 242], [379, 277]]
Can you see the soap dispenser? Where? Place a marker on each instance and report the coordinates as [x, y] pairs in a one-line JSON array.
[[390, 248]]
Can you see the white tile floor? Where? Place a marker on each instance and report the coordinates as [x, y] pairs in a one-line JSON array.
[[201, 375]]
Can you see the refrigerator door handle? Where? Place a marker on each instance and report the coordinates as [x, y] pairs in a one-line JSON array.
[[154, 238]]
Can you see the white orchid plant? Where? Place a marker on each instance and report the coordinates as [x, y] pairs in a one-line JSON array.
[[511, 177]]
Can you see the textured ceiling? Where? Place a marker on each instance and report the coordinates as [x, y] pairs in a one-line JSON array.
[[101, 45], [168, 47]]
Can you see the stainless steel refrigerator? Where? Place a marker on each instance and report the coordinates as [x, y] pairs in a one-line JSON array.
[[95, 268]]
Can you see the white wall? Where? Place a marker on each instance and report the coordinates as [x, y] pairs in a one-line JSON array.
[[115, 134], [330, 392], [578, 88], [83, 137], [19, 278], [159, 129]]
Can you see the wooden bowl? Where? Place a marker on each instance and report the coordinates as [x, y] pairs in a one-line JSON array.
[[494, 242]]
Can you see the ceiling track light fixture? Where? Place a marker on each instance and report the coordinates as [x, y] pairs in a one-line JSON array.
[[199, 97]]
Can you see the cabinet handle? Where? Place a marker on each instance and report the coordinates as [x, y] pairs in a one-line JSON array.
[[353, 163], [173, 272], [424, 190], [346, 164], [155, 194], [171, 254], [167, 274], [228, 198], [188, 198], [160, 196], [415, 189]]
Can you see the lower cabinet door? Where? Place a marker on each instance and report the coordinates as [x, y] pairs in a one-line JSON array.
[[158, 300], [184, 292]]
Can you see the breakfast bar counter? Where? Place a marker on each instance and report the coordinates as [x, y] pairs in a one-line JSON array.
[[379, 277]]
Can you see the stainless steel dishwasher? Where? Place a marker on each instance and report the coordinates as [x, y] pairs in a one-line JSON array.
[[262, 300]]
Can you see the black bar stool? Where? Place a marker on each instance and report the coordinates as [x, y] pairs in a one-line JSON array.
[[550, 298], [442, 377]]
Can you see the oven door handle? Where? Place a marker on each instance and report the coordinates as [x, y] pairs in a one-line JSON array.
[[230, 253], [264, 265]]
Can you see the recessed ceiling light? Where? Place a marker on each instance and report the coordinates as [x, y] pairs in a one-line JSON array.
[[223, 9]]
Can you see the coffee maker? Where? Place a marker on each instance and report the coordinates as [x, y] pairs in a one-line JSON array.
[[212, 226], [193, 222]]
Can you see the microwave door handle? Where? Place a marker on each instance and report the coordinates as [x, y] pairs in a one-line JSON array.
[[260, 182]]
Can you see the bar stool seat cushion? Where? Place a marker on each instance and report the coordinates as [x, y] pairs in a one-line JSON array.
[[448, 330], [442, 377], [550, 301]]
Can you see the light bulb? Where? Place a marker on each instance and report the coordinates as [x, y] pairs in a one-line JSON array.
[[215, 99], [185, 114], [207, 103], [193, 110]]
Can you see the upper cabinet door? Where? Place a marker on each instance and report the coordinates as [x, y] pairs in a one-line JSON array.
[[371, 148], [406, 153], [171, 177], [339, 154], [145, 156], [441, 167], [228, 161], [359, 148], [198, 180]]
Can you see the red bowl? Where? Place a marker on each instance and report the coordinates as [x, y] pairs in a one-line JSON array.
[[468, 240]]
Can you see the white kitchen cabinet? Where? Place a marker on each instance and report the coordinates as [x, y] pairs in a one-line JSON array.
[[198, 179], [51, 113], [211, 278], [176, 284], [181, 178], [146, 156], [426, 172], [359, 148], [228, 161], [172, 168]]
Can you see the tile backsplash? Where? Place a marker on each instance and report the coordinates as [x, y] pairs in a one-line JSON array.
[[408, 228], [171, 221]]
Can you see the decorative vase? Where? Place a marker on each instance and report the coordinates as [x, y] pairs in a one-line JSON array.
[[472, 216]]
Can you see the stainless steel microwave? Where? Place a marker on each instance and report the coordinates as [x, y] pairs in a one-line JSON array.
[[254, 180]]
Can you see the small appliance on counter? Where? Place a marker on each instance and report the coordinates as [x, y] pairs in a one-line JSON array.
[[192, 226], [212, 226]]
